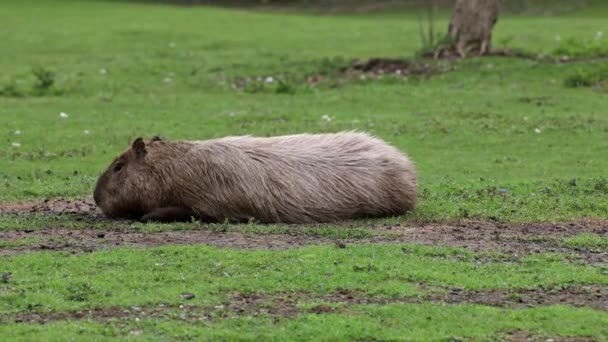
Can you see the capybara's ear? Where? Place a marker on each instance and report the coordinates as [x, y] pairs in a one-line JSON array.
[[156, 138], [139, 147]]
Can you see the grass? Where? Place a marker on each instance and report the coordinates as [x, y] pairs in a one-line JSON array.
[[129, 277], [483, 127], [511, 140], [588, 241], [391, 322], [57, 282], [589, 76], [20, 242], [49, 282]]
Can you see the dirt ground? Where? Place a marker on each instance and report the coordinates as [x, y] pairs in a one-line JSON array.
[[288, 304], [514, 240]]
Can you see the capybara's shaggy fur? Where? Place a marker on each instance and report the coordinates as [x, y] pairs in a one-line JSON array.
[[290, 179]]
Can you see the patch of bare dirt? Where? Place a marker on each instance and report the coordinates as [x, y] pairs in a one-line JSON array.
[[52, 206], [253, 304], [513, 240], [243, 305], [79, 241], [288, 304], [183, 312], [394, 66], [523, 336], [593, 296]]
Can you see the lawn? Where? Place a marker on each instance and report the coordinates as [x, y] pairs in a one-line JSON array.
[[509, 152]]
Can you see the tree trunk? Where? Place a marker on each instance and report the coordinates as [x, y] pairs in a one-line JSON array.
[[471, 26]]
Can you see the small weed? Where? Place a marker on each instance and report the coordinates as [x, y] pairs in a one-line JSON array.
[[11, 89], [5, 277], [285, 87], [586, 241], [588, 77], [579, 48], [428, 49], [45, 79], [79, 292]]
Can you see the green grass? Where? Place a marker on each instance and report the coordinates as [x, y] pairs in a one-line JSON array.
[[494, 138], [478, 121], [594, 75], [56, 282], [586, 241], [132, 277]]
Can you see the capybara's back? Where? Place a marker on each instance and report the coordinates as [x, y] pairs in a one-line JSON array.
[[292, 179]]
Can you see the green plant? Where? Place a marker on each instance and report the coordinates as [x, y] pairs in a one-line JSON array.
[[581, 48], [587, 76], [11, 89], [45, 79]]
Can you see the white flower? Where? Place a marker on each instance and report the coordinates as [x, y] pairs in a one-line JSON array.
[[16, 144], [525, 118], [269, 79], [327, 118], [557, 38], [172, 45], [17, 132], [168, 79], [63, 115], [87, 132], [103, 71], [537, 130], [599, 35]]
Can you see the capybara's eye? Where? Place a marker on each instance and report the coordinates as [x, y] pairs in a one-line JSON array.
[[118, 167]]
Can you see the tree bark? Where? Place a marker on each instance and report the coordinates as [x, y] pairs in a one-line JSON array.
[[471, 26]]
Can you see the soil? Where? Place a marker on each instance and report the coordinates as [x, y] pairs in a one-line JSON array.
[[513, 240], [593, 296], [395, 66], [78, 241], [55, 206], [287, 304], [522, 336]]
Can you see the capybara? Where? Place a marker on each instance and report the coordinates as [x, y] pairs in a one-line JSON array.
[[302, 178]]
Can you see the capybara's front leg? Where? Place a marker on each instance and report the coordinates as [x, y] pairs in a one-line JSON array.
[[169, 214]]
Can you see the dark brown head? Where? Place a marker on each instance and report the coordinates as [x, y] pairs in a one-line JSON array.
[[129, 188]]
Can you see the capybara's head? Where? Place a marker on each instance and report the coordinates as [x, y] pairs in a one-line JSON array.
[[130, 187]]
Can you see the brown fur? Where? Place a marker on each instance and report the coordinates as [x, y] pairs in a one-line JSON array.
[[291, 179]]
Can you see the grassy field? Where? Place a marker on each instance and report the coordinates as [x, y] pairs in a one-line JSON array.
[[509, 241]]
